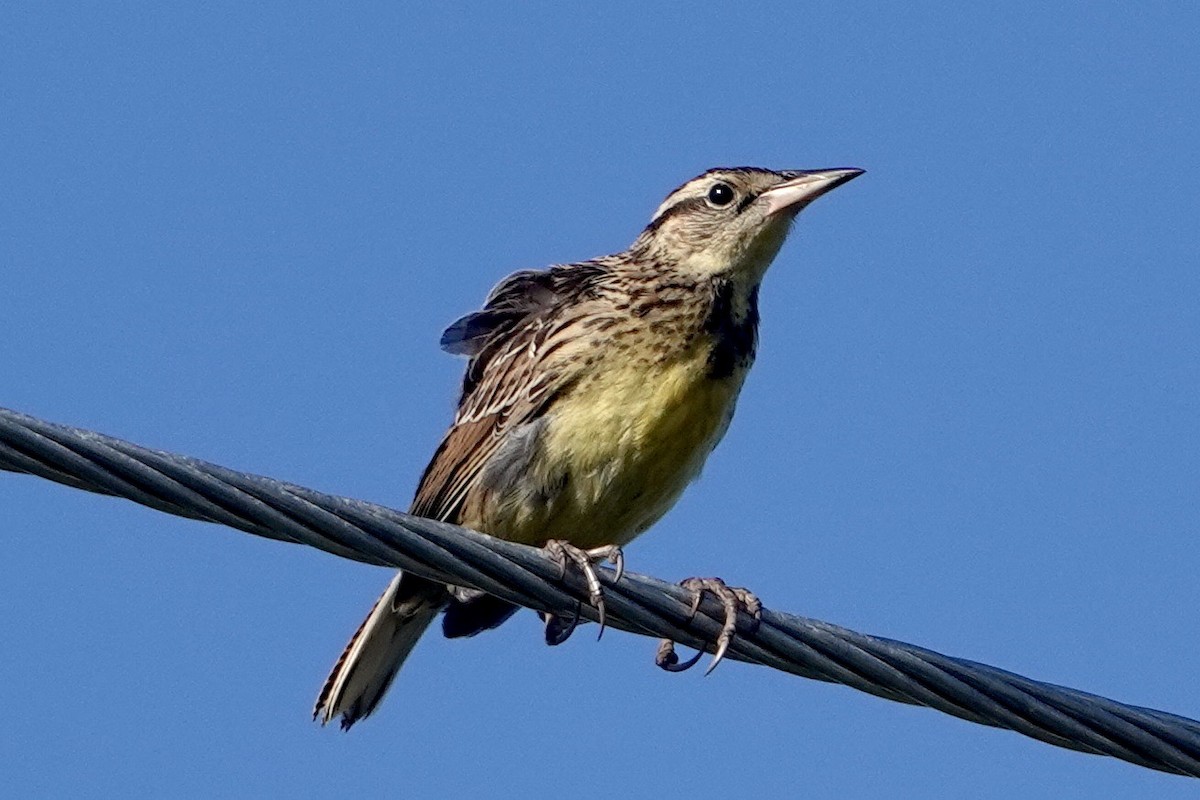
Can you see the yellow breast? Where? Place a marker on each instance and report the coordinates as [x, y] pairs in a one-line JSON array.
[[628, 439]]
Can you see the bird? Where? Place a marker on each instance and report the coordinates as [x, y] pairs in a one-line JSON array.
[[592, 396]]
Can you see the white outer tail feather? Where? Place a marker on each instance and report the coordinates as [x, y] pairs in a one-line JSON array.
[[374, 655]]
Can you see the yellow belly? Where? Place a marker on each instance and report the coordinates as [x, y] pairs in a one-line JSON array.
[[629, 440]]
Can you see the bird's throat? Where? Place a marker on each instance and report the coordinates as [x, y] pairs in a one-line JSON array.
[[732, 322]]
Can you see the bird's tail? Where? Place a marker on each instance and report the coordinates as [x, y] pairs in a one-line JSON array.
[[378, 648]]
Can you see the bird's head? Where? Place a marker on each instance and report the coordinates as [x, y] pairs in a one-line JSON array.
[[730, 222]]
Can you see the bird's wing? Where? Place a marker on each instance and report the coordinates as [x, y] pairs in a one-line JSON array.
[[520, 361]]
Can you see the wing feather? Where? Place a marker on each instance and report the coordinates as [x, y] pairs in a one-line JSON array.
[[518, 365]]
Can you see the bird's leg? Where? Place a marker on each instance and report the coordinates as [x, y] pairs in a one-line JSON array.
[[565, 553], [733, 599]]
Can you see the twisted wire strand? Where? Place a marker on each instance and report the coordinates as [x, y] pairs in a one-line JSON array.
[[639, 604]]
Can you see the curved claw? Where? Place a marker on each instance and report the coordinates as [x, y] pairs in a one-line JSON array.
[[722, 646], [600, 614], [667, 659], [557, 631], [618, 561]]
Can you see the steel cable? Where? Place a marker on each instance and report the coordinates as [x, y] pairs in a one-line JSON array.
[[640, 604]]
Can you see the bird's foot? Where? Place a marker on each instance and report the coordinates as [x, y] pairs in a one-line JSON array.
[[557, 629], [733, 599]]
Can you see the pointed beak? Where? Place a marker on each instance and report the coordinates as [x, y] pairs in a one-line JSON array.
[[802, 187]]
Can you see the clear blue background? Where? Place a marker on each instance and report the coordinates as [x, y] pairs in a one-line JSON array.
[[237, 233]]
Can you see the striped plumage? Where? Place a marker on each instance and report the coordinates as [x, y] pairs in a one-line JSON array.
[[593, 394]]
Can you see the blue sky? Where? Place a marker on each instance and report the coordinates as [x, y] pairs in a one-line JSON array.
[[237, 232]]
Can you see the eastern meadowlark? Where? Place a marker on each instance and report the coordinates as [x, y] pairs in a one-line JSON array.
[[593, 394]]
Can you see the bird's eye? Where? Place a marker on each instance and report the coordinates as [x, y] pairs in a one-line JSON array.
[[720, 194]]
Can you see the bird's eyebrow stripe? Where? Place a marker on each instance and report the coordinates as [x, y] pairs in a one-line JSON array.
[[687, 204]]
